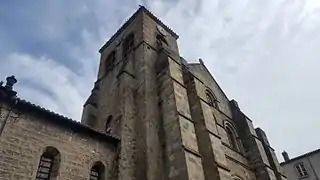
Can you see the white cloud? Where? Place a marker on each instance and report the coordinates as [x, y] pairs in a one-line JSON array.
[[263, 53], [64, 90]]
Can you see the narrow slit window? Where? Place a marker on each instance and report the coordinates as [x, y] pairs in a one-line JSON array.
[[128, 45], [110, 61], [108, 124]]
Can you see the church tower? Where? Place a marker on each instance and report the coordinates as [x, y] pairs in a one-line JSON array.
[[139, 97], [157, 104]]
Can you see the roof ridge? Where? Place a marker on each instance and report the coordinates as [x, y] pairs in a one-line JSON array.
[[63, 119], [131, 18], [45, 109]]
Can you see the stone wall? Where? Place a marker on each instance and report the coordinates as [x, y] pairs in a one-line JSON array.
[[215, 120], [26, 135]]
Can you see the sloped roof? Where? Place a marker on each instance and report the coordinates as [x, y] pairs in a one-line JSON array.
[[8, 96], [201, 64], [300, 157]]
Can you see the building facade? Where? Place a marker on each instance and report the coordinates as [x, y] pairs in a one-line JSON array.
[[151, 116], [306, 166]]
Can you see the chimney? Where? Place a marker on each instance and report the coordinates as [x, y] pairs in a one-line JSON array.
[[285, 156]]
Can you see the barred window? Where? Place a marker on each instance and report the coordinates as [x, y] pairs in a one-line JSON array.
[[49, 164], [128, 45], [45, 167], [97, 171], [301, 170], [94, 174]]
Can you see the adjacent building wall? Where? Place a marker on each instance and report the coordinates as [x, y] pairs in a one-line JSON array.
[[311, 162], [26, 135]]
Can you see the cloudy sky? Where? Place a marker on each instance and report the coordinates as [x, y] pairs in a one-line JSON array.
[[264, 54]]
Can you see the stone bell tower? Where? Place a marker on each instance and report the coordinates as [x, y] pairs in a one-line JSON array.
[[140, 97], [172, 118]]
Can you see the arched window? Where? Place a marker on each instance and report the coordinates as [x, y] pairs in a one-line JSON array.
[[128, 45], [49, 164], [110, 61], [108, 124], [97, 171], [212, 100], [231, 138]]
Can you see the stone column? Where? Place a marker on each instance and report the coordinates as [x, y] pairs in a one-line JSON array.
[[256, 153], [128, 111], [271, 155], [182, 158], [210, 146]]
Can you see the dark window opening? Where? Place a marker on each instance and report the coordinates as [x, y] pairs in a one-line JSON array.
[[301, 170], [97, 171], [161, 38], [49, 164], [110, 61], [45, 167], [108, 124], [128, 45]]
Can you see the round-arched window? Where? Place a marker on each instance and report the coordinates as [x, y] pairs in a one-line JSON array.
[[212, 100]]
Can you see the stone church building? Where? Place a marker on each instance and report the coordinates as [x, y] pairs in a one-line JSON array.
[[151, 116]]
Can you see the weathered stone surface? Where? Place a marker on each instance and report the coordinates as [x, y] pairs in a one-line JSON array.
[[194, 165], [25, 137], [155, 104], [189, 138], [209, 118], [218, 150]]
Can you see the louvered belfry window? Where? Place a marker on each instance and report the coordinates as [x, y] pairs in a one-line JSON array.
[[97, 171], [45, 167], [49, 164], [94, 174]]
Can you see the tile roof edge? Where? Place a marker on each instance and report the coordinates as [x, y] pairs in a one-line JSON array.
[[54, 117]]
